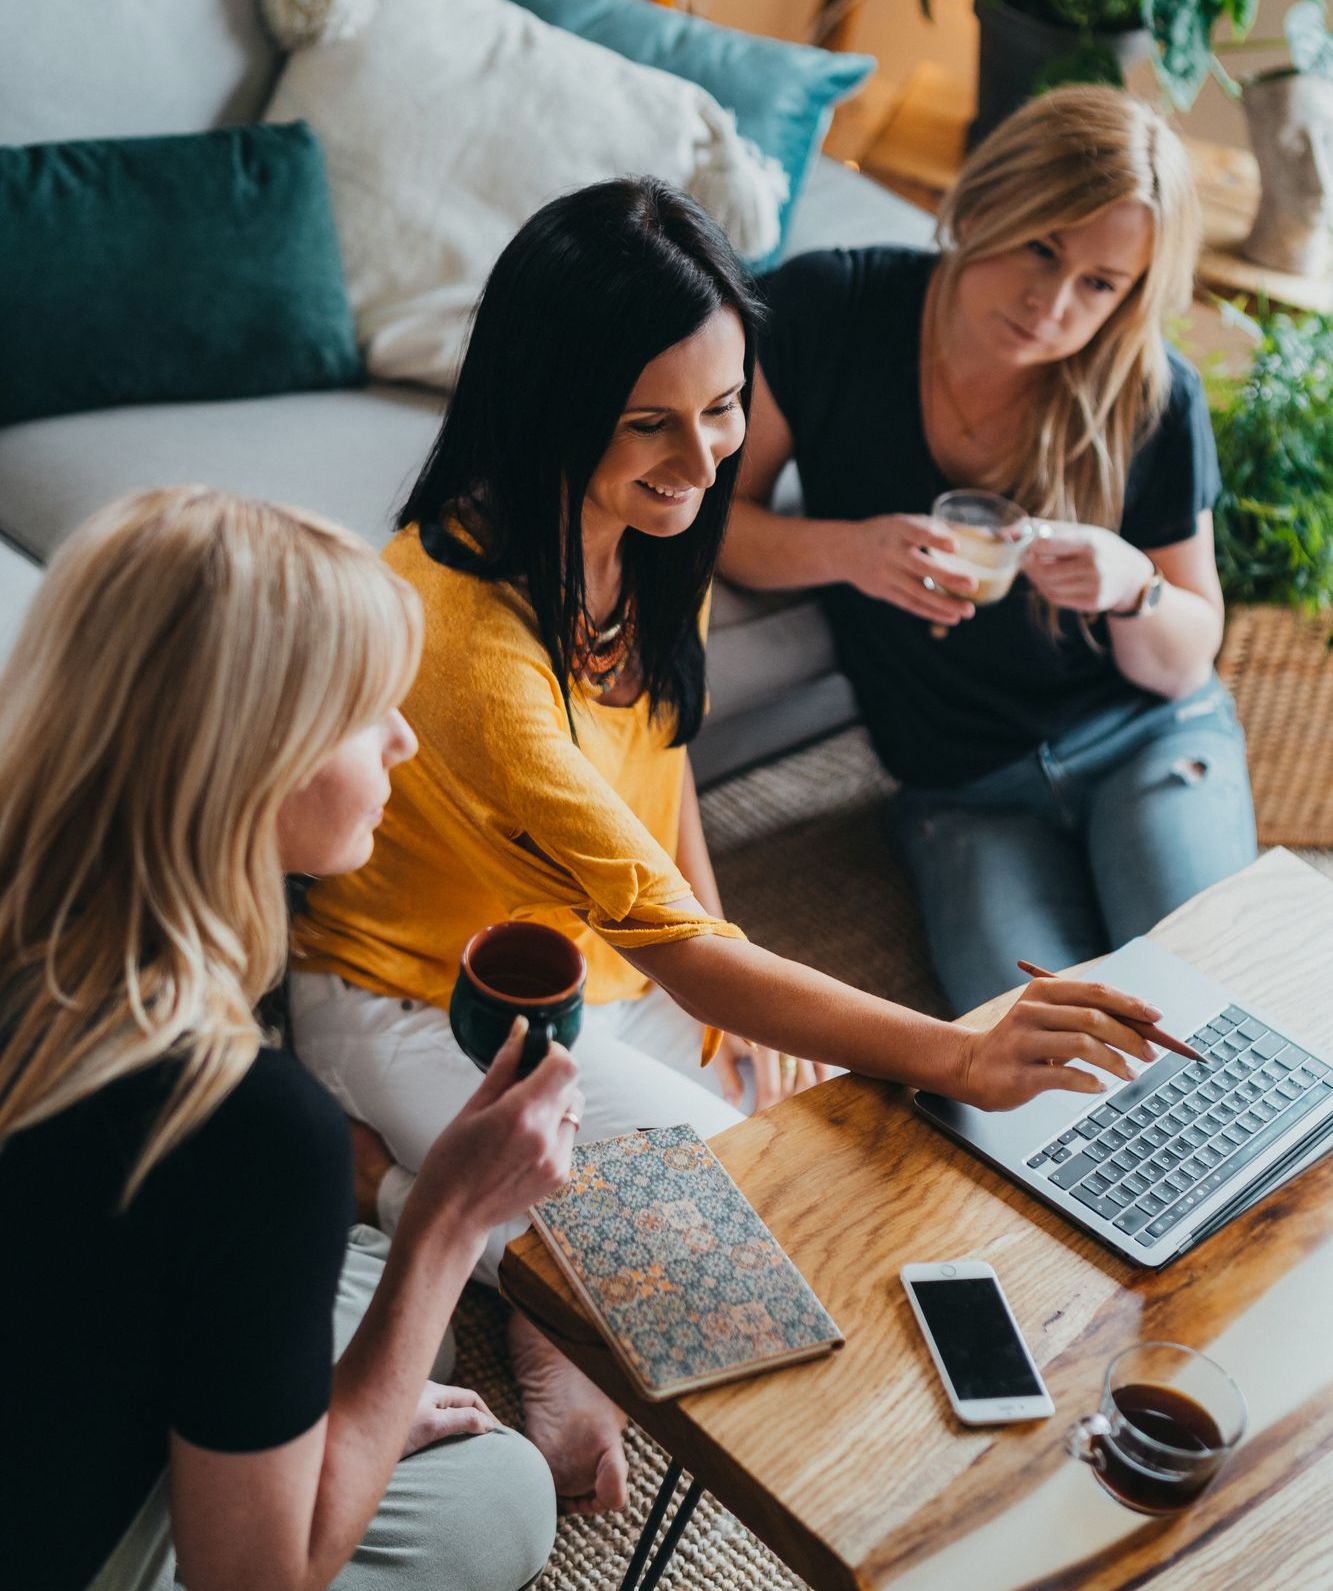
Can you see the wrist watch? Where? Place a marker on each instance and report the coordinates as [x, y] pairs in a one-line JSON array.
[[1148, 598]]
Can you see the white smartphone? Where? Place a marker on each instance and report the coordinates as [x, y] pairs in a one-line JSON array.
[[975, 1343]]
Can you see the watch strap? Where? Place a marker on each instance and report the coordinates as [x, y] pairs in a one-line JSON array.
[[1148, 598]]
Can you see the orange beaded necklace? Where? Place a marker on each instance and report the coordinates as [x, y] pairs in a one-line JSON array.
[[600, 657]]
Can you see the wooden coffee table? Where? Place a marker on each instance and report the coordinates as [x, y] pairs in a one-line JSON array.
[[853, 1469]]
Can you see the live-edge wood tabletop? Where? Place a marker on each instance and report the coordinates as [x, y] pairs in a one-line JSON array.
[[853, 1468]]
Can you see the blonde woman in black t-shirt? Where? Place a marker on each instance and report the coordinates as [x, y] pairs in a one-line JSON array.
[[203, 697], [1071, 768]]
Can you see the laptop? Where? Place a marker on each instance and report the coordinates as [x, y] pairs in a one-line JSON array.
[[1154, 1166]]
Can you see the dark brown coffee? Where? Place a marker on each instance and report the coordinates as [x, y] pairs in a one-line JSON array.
[[527, 986], [525, 962], [1147, 1479]]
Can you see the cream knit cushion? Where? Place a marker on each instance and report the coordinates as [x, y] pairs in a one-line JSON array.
[[447, 123], [294, 23]]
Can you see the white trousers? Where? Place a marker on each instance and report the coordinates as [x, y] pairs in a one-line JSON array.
[[395, 1065]]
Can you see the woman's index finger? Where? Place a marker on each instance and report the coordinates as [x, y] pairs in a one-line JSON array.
[[1115, 1002]]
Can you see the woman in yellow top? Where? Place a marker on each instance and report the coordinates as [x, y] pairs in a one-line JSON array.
[[562, 537]]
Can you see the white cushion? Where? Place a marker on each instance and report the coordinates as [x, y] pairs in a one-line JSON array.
[[351, 455], [447, 123]]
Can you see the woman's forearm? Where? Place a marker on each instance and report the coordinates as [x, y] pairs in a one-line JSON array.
[[1171, 649], [778, 552], [379, 1378], [742, 988]]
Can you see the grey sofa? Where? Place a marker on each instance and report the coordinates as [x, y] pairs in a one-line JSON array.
[[133, 67]]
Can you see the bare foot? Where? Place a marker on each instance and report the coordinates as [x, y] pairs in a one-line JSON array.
[[575, 1427], [371, 1162]]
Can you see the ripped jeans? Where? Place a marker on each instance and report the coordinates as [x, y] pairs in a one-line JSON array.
[[1082, 844]]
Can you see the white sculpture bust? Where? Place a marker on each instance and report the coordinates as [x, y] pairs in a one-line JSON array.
[[1291, 132]]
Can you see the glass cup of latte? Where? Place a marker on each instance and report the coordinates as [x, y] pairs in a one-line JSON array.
[[992, 535]]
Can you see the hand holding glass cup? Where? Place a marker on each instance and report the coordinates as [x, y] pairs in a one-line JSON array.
[[992, 535], [1168, 1420]]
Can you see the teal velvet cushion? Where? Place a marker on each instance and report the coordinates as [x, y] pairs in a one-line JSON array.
[[145, 270], [781, 93]]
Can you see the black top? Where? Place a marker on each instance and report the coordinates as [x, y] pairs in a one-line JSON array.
[[206, 1308], [842, 355]]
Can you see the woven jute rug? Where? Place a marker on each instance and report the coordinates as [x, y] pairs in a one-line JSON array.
[[805, 866]]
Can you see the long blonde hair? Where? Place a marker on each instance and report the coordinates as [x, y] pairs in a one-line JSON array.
[[1060, 161], [190, 659]]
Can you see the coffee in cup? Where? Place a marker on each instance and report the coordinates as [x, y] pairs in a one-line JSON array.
[[1169, 1418], [992, 535], [517, 969]]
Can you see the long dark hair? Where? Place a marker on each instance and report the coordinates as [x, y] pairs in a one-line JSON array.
[[592, 288]]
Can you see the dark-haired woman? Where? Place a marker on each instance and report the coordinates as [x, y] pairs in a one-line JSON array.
[[562, 537]]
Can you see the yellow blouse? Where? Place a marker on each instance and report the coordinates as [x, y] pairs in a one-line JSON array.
[[502, 815]]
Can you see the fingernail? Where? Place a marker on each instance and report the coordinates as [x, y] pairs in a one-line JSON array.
[[520, 1028], [1152, 1012]]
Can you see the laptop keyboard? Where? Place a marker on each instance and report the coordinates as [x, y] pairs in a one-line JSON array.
[[1164, 1143]]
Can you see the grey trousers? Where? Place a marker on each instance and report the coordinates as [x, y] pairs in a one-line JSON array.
[[475, 1514]]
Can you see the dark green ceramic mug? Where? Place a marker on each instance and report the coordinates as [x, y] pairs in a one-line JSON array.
[[517, 969]]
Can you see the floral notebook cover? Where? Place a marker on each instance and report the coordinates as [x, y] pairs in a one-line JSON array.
[[686, 1283]]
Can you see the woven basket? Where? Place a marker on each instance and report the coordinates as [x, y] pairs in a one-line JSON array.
[[1278, 666]]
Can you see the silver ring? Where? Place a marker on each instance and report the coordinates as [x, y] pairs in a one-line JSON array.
[[928, 583], [574, 1121]]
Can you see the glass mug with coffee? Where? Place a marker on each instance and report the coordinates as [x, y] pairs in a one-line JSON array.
[[992, 535], [517, 969], [1168, 1420]]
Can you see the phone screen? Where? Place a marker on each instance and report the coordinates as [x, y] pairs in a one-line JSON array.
[[983, 1354]]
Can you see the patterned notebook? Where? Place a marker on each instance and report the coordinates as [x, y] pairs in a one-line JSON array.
[[686, 1283]]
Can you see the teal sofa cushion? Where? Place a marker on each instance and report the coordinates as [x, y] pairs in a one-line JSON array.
[[782, 94], [147, 270]]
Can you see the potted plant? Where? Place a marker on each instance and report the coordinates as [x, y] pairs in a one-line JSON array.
[[1289, 112], [1274, 532], [1026, 46]]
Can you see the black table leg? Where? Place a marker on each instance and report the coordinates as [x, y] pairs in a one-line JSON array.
[[674, 1531]]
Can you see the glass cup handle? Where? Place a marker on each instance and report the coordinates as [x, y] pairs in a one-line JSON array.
[[1081, 1440]]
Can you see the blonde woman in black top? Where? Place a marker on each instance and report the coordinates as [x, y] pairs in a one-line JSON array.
[[204, 695], [1071, 768]]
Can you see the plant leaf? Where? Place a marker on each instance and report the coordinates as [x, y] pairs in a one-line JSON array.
[[1183, 31], [1091, 62], [1274, 430], [1233, 315], [1307, 34]]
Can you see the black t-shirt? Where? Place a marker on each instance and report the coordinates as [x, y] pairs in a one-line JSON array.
[[841, 353], [206, 1308]]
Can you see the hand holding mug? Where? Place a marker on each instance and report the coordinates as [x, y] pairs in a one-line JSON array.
[[510, 1144], [1085, 568]]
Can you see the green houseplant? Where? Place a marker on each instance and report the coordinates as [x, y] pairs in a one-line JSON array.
[[1274, 522], [1025, 46], [1274, 533], [1187, 53]]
